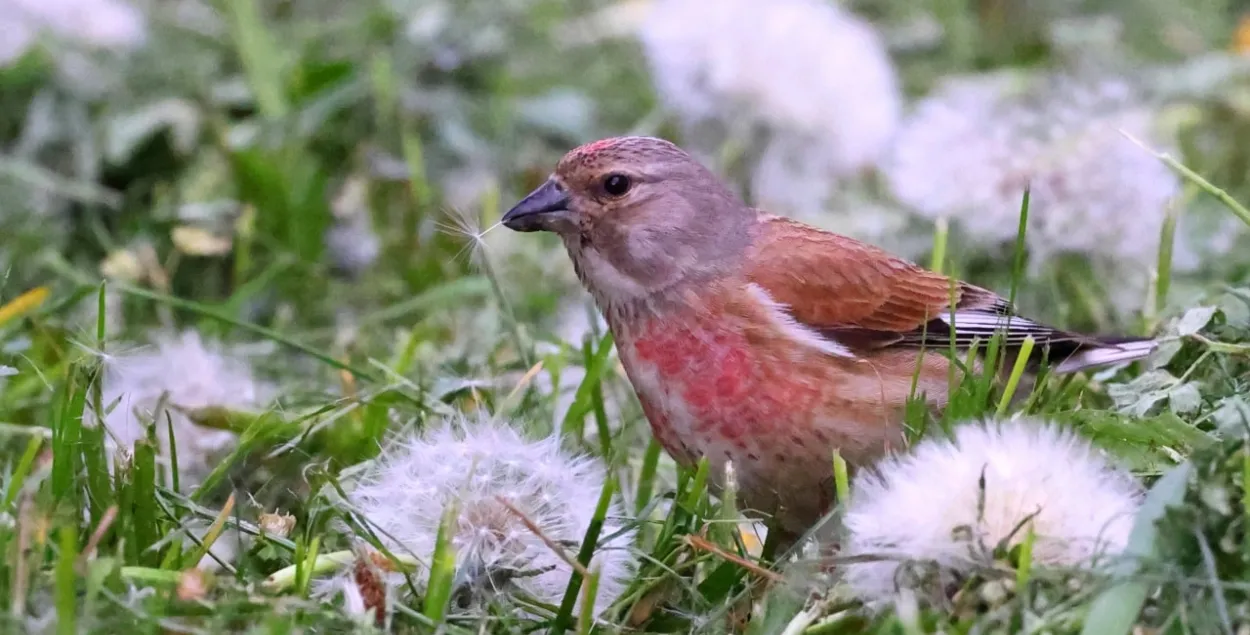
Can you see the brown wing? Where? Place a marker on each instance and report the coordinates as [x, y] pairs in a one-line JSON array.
[[857, 293]]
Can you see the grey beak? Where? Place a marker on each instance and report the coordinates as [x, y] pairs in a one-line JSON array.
[[538, 210]]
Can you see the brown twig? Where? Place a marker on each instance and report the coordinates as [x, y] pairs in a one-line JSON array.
[[529, 524], [106, 521], [703, 544]]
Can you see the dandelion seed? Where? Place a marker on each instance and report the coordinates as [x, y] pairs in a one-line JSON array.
[[463, 225], [1092, 191], [181, 372], [928, 507], [404, 492], [813, 78]]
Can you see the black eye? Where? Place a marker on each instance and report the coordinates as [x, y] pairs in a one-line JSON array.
[[616, 184]]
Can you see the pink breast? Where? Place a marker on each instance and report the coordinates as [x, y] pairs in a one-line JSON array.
[[729, 387]]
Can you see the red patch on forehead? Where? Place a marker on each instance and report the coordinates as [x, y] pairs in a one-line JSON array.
[[590, 152], [596, 146]]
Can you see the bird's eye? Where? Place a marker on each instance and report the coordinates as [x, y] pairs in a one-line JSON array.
[[616, 184]]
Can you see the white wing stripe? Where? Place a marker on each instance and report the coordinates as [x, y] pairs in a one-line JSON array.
[[781, 318]]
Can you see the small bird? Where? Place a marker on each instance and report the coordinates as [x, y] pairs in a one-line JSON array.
[[754, 339]]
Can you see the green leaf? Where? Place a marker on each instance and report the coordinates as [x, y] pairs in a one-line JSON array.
[[1115, 611], [1194, 320]]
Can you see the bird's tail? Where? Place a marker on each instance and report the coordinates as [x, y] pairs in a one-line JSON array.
[[1103, 352]]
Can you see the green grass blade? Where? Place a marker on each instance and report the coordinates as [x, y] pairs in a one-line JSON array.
[[1017, 265], [941, 235], [841, 481], [1115, 610], [261, 57], [66, 437], [21, 471], [1222, 196], [646, 477], [1167, 243], [1017, 371], [146, 527], [67, 581], [442, 567], [583, 399], [590, 542], [207, 311]]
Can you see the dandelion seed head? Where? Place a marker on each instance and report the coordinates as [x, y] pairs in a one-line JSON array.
[[473, 463], [814, 77], [926, 506], [98, 23], [969, 150], [193, 374]]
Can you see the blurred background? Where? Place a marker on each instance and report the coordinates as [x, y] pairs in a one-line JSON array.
[[324, 179], [309, 163]]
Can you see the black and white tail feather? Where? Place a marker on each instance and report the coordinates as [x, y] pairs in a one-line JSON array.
[[1066, 351]]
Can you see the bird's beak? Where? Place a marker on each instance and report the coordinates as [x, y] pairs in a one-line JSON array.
[[541, 210]]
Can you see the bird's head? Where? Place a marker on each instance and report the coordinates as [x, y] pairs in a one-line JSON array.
[[638, 215]]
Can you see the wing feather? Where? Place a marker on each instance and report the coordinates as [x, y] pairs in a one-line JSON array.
[[862, 297]]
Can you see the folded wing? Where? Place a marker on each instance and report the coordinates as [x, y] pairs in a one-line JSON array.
[[863, 298]]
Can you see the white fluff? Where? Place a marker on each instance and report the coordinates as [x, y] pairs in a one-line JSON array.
[[923, 506], [101, 23], [816, 78], [405, 491], [194, 374], [968, 151]]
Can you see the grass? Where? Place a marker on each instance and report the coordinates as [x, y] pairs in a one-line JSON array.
[[291, 102]]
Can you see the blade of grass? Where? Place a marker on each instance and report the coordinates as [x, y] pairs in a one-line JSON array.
[[941, 235], [23, 304], [698, 487], [598, 409], [841, 482], [306, 556], [1024, 564], [1017, 265], [646, 477], [1017, 371], [146, 529], [258, 432], [583, 400], [175, 479], [442, 566], [1245, 494], [1222, 196], [726, 527], [214, 530], [67, 581], [590, 589], [590, 542], [18, 478], [1115, 610], [490, 207], [261, 57], [1167, 241], [268, 333], [66, 436]]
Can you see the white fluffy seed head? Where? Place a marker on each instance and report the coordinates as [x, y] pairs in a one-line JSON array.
[[188, 373], [968, 151], [816, 78], [99, 23], [404, 494], [928, 506]]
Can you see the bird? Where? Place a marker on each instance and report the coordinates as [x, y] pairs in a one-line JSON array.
[[759, 342]]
